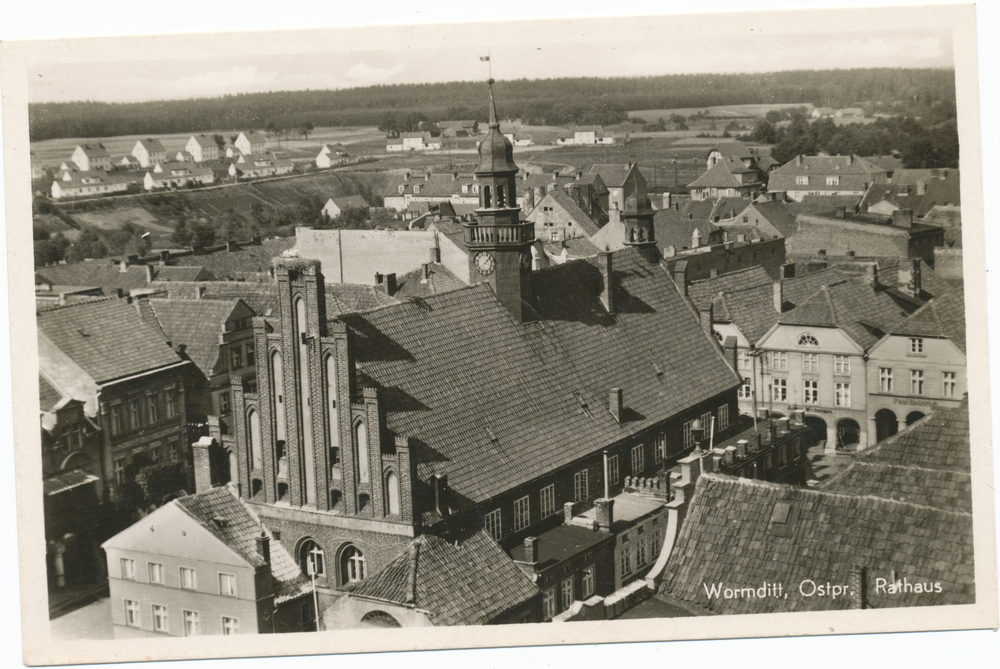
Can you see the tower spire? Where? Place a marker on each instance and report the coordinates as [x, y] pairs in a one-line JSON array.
[[493, 107]]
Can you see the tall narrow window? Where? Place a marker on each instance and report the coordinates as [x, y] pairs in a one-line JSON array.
[[230, 626], [723, 418], [227, 585], [333, 420], [566, 593], [843, 394], [501, 202], [638, 460], [885, 379], [810, 362], [613, 469], [779, 390], [277, 395], [948, 389], [256, 452], [660, 451], [487, 202], [128, 569], [392, 492], [548, 604], [581, 491], [131, 613], [353, 565], [171, 395], [153, 407], [192, 626], [492, 524], [305, 401], [135, 413], [116, 419], [810, 392], [841, 364], [311, 559], [916, 382], [160, 620], [188, 580], [156, 573], [587, 581], [361, 449], [548, 501]]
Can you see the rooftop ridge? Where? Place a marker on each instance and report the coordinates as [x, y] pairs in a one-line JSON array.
[[411, 300], [57, 307]]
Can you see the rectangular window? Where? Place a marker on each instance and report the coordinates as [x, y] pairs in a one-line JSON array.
[[116, 419], [153, 407], [613, 469], [580, 490], [548, 604], [230, 625], [154, 455], [810, 363], [493, 524], [660, 452], [227, 585], [723, 418], [655, 541], [801, 181], [779, 361], [135, 413], [131, 613], [120, 471], [916, 345], [224, 404], [640, 552], [555, 236], [885, 380], [783, 456], [833, 181], [191, 623], [949, 384], [779, 390], [916, 382], [171, 397], [843, 396], [587, 581], [810, 392], [172, 452], [128, 569], [251, 354], [767, 464], [745, 392], [155, 573], [566, 593], [638, 460], [522, 513], [841, 364], [625, 563], [235, 358], [188, 580], [548, 501], [688, 436], [160, 620], [743, 359]]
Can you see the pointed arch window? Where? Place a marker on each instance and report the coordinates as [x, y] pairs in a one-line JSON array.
[[256, 453], [392, 493], [352, 565], [311, 558], [806, 339], [361, 449]]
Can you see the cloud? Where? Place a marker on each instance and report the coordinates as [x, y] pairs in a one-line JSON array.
[[363, 74]]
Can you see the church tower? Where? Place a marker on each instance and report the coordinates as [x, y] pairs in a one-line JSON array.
[[637, 212], [498, 242]]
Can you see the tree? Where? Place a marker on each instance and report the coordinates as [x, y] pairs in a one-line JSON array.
[[220, 141], [772, 116], [763, 133], [306, 128]]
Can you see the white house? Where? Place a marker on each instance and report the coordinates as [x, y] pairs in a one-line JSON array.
[[75, 184], [177, 175], [247, 166], [335, 206], [202, 147], [91, 157], [331, 155], [149, 152], [250, 143]]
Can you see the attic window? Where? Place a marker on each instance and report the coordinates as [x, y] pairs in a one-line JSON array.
[[220, 522], [83, 333], [779, 516], [807, 339]]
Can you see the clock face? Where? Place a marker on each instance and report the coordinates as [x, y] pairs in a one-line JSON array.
[[525, 261], [485, 263]]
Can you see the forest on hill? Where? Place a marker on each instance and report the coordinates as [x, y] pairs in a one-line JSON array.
[[565, 101]]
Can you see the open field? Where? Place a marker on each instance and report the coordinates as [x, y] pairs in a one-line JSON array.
[[117, 217], [723, 111]]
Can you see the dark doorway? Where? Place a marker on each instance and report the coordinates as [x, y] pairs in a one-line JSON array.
[[848, 434], [886, 424]]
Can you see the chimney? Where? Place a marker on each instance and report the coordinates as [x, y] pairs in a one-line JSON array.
[[378, 278], [788, 270], [604, 263], [164, 257], [426, 268], [454, 176], [706, 320], [614, 215], [680, 276], [778, 294], [730, 348], [903, 218], [200, 450], [663, 487], [841, 212], [741, 449], [149, 274], [435, 254], [264, 546], [119, 293], [615, 403], [568, 512], [123, 266], [256, 241], [62, 299], [232, 246], [859, 587], [921, 187], [605, 513], [390, 284], [531, 550], [783, 426], [798, 160], [850, 159], [440, 491]]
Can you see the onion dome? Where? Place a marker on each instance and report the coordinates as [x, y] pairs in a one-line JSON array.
[[496, 153]]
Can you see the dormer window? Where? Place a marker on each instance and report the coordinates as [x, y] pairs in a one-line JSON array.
[[416, 189], [806, 339], [402, 188]]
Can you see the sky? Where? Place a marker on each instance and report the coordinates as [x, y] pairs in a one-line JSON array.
[[128, 69]]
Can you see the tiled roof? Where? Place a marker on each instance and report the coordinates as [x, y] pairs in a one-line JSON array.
[[102, 273], [941, 489], [704, 291], [261, 297], [576, 247], [938, 441], [578, 215], [430, 185], [941, 187], [106, 338], [48, 396], [862, 312], [887, 163], [822, 204], [673, 228], [721, 175], [247, 262], [182, 273], [94, 150], [493, 403], [440, 280], [468, 582], [343, 298], [740, 533], [239, 532], [855, 173], [195, 324], [799, 288], [612, 174], [941, 317], [205, 141], [777, 214], [151, 145], [732, 150], [350, 201]]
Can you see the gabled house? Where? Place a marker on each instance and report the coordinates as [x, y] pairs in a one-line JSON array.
[[916, 190], [259, 164], [413, 141], [335, 206], [846, 233], [918, 365], [204, 565], [149, 152], [462, 128], [250, 143], [203, 148], [727, 177], [331, 155], [825, 175], [559, 217], [89, 184], [614, 177], [89, 157], [177, 175]]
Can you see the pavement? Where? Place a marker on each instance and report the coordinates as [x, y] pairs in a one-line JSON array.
[[92, 621], [822, 466]]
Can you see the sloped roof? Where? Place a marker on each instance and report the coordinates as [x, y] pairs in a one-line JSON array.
[[573, 210], [246, 262], [941, 489], [732, 150], [182, 273], [938, 441], [440, 280], [97, 150], [107, 339], [204, 141], [673, 228], [197, 325], [855, 173], [941, 187], [862, 312], [493, 422], [941, 317], [48, 396], [350, 201], [704, 291], [777, 214], [151, 145], [260, 297], [721, 175], [576, 247], [469, 582], [100, 273], [239, 532], [742, 533], [612, 174]]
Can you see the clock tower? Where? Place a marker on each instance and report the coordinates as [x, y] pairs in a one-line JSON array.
[[498, 242]]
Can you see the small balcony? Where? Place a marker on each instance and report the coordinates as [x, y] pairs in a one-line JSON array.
[[499, 235]]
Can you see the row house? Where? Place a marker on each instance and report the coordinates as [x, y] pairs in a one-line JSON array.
[[413, 141], [365, 432], [825, 175], [149, 152], [260, 164], [89, 184], [177, 175]]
